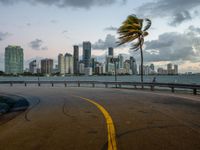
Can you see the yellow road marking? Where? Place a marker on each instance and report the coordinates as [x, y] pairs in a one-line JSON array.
[[112, 144]]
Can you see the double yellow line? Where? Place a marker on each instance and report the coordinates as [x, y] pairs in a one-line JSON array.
[[112, 144]]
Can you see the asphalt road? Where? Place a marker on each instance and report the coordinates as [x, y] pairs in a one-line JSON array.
[[93, 118]]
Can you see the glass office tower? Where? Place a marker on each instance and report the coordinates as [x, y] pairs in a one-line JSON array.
[[14, 60]]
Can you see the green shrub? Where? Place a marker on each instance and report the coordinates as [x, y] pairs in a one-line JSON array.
[[4, 108], [8, 101]]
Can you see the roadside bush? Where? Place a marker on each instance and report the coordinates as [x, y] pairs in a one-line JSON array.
[[8, 101], [22, 103], [4, 108]]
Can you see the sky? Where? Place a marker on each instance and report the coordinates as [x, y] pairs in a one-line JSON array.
[[45, 28]]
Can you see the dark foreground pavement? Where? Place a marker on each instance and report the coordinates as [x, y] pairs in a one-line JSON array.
[[58, 119]]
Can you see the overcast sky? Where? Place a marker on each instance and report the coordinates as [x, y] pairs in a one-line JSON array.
[[45, 28]]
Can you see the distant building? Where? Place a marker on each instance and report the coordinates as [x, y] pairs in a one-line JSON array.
[[108, 62], [56, 70], [76, 59], [133, 66], [88, 71], [176, 69], [172, 71], [99, 69], [127, 67], [14, 60], [69, 64], [146, 70], [121, 61], [93, 64], [169, 69], [162, 71], [47, 66], [111, 68], [152, 67], [61, 64], [81, 68], [33, 67], [110, 51], [87, 53]]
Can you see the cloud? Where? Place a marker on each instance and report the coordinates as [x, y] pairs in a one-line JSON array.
[[64, 31], [4, 35], [37, 45], [194, 30], [28, 24], [173, 46], [178, 11], [111, 28], [180, 17], [53, 21], [110, 41], [68, 3]]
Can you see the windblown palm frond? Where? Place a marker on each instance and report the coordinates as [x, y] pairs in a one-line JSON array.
[[148, 24], [132, 29]]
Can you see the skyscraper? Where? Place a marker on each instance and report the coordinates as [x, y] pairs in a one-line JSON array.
[[14, 60], [169, 69], [47, 66], [110, 51], [33, 66], [121, 61], [175, 69], [133, 66], [69, 64], [61, 64], [76, 59], [81, 67], [87, 53], [152, 67]]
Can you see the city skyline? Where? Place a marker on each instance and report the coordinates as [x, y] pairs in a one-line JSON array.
[[69, 64], [174, 36]]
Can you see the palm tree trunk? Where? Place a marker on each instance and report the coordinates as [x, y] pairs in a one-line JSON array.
[[141, 68]]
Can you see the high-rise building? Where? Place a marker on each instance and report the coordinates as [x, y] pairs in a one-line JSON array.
[[93, 64], [61, 64], [127, 67], [87, 53], [175, 69], [169, 68], [111, 68], [99, 69], [69, 64], [14, 60], [121, 61], [133, 65], [33, 67], [162, 71], [88, 71], [109, 64], [76, 59], [81, 67], [47, 66], [110, 51], [152, 67]]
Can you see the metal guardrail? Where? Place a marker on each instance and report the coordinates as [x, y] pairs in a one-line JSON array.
[[152, 85]]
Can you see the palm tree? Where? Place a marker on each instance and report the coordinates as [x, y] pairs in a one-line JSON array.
[[132, 29]]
